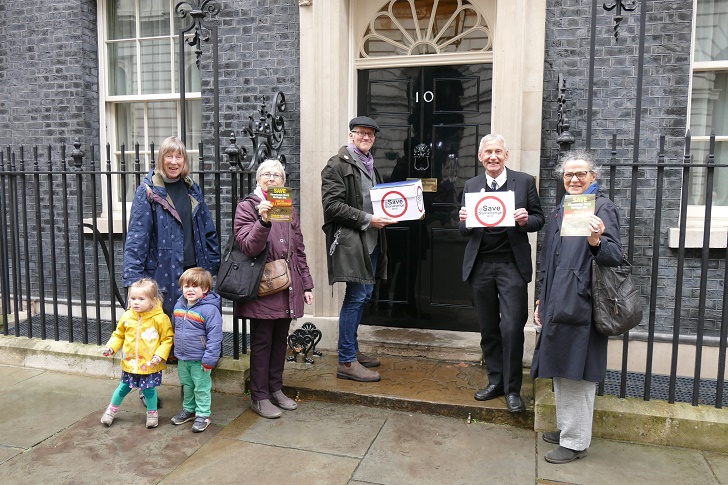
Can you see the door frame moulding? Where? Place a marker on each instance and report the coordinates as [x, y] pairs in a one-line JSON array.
[[424, 60]]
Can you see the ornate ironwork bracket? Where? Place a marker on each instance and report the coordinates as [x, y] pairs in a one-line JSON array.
[[627, 6], [266, 135], [565, 138], [304, 340], [199, 10]]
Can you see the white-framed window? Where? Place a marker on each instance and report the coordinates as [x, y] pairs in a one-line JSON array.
[[139, 84], [708, 113]]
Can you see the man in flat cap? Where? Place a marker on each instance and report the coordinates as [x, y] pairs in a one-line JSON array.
[[355, 240]]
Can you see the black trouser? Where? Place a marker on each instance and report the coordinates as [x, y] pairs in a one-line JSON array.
[[501, 300]]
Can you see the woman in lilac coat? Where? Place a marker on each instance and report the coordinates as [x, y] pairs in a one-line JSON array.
[[270, 316]]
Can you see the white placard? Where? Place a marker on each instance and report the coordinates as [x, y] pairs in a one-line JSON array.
[[490, 209]]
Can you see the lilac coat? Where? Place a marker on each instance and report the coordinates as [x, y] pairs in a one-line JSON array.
[[251, 234]]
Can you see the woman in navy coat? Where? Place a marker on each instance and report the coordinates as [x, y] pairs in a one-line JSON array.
[[569, 349], [170, 227], [270, 316]]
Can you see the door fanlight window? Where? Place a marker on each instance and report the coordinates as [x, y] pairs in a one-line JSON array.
[[418, 27]]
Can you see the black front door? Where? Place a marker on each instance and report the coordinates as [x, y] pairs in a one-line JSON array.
[[432, 119]]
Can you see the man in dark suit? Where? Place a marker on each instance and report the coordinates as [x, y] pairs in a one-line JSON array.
[[497, 266]]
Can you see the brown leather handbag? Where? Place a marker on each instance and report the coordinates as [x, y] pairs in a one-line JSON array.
[[276, 274]]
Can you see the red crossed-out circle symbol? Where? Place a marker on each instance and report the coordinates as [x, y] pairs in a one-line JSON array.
[[394, 196], [502, 210]]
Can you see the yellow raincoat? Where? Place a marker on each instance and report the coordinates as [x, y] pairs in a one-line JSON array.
[[142, 336]]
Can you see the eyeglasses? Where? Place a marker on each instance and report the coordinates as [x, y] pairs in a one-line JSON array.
[[365, 134], [579, 175], [271, 175]]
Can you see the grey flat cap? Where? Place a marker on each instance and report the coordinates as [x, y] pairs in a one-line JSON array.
[[364, 121]]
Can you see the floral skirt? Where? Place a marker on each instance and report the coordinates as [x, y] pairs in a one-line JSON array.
[[141, 381]]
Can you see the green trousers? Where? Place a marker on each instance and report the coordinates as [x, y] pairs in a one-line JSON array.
[[196, 385]]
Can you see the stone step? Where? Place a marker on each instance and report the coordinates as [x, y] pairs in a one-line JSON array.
[[409, 384]]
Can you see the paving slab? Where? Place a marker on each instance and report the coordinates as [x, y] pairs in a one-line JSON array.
[[416, 448], [719, 464], [13, 375], [234, 461], [91, 453], [315, 426], [7, 452], [45, 404], [610, 462]]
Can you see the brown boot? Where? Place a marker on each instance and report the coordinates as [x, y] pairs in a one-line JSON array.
[[356, 372], [367, 360]]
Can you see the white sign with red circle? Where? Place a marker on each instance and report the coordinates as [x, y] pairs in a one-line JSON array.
[[490, 209], [394, 204], [402, 201]]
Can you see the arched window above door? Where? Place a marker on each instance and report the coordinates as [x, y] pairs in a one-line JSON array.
[[421, 27]]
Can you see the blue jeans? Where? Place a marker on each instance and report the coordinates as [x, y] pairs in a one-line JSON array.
[[356, 296]]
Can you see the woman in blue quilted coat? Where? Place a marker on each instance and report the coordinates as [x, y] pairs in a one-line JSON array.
[[170, 227]]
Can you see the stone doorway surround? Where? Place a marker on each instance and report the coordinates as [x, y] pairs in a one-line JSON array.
[[330, 34]]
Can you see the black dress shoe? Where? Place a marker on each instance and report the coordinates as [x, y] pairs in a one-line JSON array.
[[489, 392], [515, 403]]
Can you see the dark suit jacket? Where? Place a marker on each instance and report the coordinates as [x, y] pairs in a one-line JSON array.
[[524, 188]]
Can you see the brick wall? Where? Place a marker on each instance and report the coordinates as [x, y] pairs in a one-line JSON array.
[[663, 112], [48, 72]]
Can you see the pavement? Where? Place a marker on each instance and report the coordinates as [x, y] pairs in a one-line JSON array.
[[50, 433]]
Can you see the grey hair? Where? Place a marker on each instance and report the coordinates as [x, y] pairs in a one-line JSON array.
[[492, 137], [578, 154], [269, 163]]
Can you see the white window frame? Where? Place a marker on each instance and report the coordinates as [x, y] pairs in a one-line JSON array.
[[107, 114], [696, 213]]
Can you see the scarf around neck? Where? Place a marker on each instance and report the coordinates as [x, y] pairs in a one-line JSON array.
[[592, 189], [367, 160]]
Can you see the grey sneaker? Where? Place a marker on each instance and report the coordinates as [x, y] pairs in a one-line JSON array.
[[552, 437], [108, 417], [152, 419], [201, 423], [356, 372], [265, 408], [367, 360], [283, 401], [562, 455], [183, 416]]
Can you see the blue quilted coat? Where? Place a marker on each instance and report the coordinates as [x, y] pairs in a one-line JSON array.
[[154, 243]]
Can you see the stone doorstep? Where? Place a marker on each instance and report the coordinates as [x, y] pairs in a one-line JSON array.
[[409, 384], [650, 422]]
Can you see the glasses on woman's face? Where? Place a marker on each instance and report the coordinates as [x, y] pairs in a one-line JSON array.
[[271, 175], [579, 175]]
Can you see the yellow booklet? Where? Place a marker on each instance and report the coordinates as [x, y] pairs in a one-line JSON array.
[[577, 209], [282, 200]]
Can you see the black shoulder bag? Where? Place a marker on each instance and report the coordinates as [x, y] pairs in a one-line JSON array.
[[239, 275], [616, 301]]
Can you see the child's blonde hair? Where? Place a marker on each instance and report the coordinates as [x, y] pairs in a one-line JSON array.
[[149, 288], [196, 277]]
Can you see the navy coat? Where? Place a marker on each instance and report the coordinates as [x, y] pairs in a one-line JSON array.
[[569, 346], [251, 234], [154, 244]]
